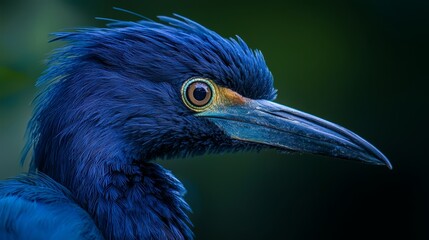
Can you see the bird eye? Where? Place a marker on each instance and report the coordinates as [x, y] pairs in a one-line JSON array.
[[197, 93]]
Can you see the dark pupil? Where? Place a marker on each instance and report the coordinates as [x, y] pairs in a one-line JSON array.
[[200, 92]]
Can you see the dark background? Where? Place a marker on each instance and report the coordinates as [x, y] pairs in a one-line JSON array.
[[362, 64]]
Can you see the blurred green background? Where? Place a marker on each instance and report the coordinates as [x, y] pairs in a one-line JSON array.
[[362, 64]]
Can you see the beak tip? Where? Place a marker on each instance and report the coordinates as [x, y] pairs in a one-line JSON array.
[[385, 161], [388, 164], [382, 160]]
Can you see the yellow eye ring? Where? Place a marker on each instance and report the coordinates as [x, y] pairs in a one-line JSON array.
[[198, 93]]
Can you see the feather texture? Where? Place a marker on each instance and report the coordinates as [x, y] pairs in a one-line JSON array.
[[33, 206], [110, 104]]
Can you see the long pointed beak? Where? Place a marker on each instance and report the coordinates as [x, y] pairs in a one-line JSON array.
[[278, 126]]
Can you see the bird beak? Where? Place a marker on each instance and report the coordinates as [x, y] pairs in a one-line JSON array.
[[274, 125]]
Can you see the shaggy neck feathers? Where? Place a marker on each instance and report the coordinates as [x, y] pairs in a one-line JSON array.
[[127, 199]]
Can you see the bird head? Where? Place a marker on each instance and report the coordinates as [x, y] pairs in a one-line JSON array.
[[172, 88]]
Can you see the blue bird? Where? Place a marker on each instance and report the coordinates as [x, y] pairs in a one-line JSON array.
[[116, 99]]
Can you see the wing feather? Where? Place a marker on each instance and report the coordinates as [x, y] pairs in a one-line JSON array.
[[33, 206]]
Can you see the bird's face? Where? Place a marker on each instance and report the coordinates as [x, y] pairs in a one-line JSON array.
[[268, 124], [218, 94], [179, 89]]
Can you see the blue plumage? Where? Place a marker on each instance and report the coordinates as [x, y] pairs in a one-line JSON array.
[[112, 102], [34, 206]]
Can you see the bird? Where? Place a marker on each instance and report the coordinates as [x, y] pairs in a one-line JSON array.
[[113, 100]]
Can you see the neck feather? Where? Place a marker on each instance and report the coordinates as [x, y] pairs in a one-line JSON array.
[[128, 199]]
